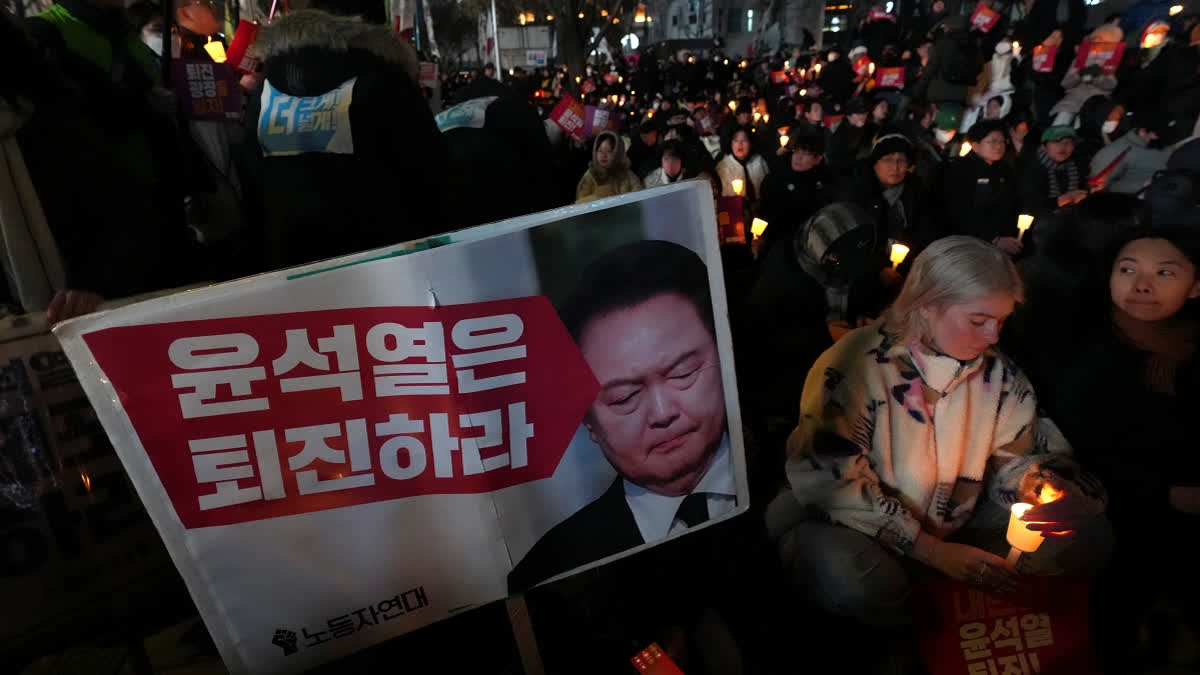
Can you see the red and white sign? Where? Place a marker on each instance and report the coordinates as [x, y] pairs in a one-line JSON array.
[[427, 75], [1041, 629], [238, 54], [779, 77], [984, 18], [273, 415], [1107, 55], [1043, 58], [341, 453], [570, 115], [876, 15], [890, 78]]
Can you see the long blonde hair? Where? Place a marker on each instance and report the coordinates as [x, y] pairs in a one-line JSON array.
[[950, 271]]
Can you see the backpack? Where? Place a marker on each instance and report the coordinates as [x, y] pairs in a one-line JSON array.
[[963, 63]]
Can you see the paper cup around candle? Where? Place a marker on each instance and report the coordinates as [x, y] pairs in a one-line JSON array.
[[965, 149], [216, 51], [899, 253], [783, 141], [757, 227], [737, 185], [1024, 222], [1020, 536]]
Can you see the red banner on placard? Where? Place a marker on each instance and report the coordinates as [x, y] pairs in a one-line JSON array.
[[587, 87], [831, 121], [984, 18], [1043, 58], [731, 221], [779, 77], [569, 115], [890, 77], [597, 119], [876, 15], [238, 54], [427, 74], [1042, 629], [266, 416], [1107, 55]]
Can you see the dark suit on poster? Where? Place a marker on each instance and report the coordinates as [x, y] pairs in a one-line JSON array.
[[602, 528]]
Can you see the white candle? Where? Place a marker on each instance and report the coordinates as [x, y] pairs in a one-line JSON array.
[[1024, 222], [1020, 536], [737, 186], [899, 253], [783, 141]]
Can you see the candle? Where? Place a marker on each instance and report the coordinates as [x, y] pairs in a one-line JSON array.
[[899, 253], [757, 116], [871, 68], [733, 105], [216, 50], [965, 149], [737, 186], [1016, 48], [757, 227], [783, 141], [766, 117], [1020, 537], [1023, 223], [804, 92], [817, 69]]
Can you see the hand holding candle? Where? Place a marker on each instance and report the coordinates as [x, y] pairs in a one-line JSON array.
[[1024, 222]]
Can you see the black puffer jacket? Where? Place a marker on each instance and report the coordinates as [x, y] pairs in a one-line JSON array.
[[352, 157]]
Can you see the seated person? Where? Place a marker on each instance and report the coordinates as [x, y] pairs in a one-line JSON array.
[[915, 438], [1051, 178], [673, 165], [796, 191], [1132, 360]]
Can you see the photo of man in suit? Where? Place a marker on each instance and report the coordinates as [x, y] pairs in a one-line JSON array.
[[642, 317]]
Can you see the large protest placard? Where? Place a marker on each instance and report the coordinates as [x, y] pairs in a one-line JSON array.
[[344, 452]]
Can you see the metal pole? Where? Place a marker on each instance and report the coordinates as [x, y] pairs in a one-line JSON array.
[[496, 40]]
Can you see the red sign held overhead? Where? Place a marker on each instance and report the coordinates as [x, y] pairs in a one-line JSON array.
[[890, 78], [570, 115], [1107, 55], [1043, 58], [984, 18], [238, 53], [266, 416]]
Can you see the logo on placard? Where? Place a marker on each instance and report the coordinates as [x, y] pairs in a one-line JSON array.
[[286, 640]]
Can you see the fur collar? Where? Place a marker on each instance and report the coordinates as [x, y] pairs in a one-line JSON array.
[[313, 28]]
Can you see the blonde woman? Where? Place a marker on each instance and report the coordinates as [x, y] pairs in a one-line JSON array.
[[915, 436]]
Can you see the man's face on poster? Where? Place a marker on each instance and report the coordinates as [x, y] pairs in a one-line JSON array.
[[660, 413]]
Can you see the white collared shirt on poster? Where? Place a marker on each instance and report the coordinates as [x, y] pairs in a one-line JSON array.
[[655, 513]]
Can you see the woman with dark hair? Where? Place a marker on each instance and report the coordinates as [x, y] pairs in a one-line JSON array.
[[1020, 126], [742, 164], [1124, 389]]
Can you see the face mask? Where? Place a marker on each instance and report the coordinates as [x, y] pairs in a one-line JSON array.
[[154, 42], [1109, 126], [943, 135]]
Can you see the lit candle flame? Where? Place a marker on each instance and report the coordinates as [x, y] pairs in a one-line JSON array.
[[737, 185], [87, 481], [757, 227], [1049, 494], [783, 141], [965, 149], [899, 253]]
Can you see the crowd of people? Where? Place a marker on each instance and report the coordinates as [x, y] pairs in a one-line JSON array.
[[889, 404]]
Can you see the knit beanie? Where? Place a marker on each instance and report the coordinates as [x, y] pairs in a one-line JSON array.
[[888, 143]]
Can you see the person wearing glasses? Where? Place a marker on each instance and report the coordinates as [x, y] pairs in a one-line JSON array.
[[979, 192]]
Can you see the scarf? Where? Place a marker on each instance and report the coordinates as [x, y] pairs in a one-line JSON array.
[[1167, 345], [1063, 177]]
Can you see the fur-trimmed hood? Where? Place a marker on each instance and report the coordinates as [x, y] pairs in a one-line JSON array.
[[313, 28]]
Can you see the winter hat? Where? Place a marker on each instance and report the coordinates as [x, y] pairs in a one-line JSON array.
[[891, 142], [948, 119], [856, 52], [1004, 46], [1058, 132]]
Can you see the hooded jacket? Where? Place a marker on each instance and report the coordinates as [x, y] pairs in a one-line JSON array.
[[598, 183], [352, 158]]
